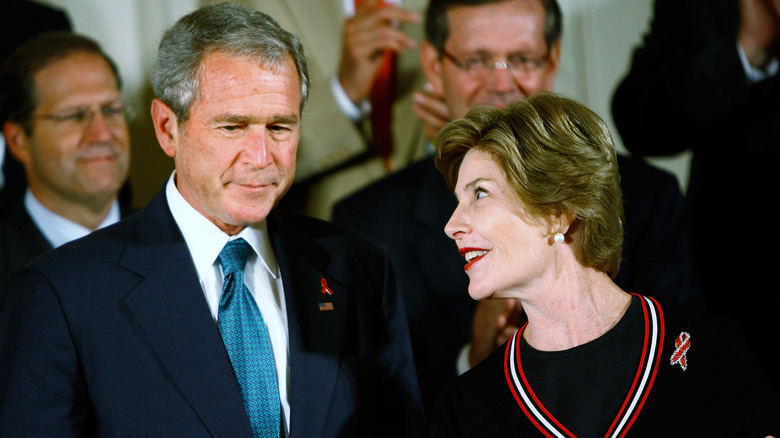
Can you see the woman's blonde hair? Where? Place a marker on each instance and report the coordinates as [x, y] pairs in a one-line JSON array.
[[559, 158]]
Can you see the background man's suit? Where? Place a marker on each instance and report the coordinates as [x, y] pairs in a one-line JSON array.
[[21, 241], [688, 90], [407, 212], [129, 336], [328, 137]]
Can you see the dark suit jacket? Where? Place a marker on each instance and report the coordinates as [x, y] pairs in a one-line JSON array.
[[21, 241], [687, 90], [111, 335], [407, 212]]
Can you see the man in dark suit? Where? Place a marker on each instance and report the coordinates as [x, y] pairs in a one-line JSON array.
[[63, 117], [470, 59], [208, 313], [21, 20], [707, 79]]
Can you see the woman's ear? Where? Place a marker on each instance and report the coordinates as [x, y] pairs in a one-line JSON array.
[[166, 127], [560, 224]]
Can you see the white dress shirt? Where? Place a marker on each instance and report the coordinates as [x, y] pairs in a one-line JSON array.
[[58, 230], [261, 275]]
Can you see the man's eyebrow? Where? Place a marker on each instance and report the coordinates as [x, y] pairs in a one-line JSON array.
[[232, 118], [290, 119]]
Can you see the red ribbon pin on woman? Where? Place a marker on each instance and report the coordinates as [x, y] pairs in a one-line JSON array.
[[680, 355]]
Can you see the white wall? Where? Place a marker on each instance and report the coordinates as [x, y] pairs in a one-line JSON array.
[[598, 39]]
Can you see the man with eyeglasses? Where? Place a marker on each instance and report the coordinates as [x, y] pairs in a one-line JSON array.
[[64, 119], [495, 52]]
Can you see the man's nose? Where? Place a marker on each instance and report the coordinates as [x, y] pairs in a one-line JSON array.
[[98, 128], [501, 78], [258, 152]]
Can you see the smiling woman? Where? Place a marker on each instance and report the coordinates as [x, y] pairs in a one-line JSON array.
[[555, 160], [539, 219]]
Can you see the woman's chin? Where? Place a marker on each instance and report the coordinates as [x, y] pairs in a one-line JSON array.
[[479, 294]]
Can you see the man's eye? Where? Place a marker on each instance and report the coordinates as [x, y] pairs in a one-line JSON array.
[[475, 63], [276, 128], [78, 115], [280, 132], [112, 111], [524, 62], [518, 60]]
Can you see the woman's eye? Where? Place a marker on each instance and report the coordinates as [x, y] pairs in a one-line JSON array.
[[479, 193]]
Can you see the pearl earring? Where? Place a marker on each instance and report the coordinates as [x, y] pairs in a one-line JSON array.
[[559, 237]]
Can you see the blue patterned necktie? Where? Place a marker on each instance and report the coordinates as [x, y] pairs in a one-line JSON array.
[[248, 344]]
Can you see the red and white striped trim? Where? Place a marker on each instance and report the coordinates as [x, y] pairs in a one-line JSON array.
[[640, 388]]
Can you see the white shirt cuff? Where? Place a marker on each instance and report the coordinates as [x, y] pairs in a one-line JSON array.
[[756, 74], [354, 112]]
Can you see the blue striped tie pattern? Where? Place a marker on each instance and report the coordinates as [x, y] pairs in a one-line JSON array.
[[248, 344]]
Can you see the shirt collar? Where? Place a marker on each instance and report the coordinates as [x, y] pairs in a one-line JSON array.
[[205, 240], [57, 229]]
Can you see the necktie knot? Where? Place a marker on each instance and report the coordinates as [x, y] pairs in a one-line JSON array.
[[234, 255]]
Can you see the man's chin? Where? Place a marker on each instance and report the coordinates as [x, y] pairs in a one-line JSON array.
[[249, 212], [502, 102]]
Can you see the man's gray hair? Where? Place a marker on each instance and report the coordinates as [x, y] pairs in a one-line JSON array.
[[222, 27]]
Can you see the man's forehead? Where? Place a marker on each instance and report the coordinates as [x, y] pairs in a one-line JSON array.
[[506, 25], [219, 60], [238, 90], [80, 78], [222, 72]]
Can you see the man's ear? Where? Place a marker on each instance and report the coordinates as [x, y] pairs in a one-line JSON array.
[[431, 64], [18, 141], [554, 59], [166, 127]]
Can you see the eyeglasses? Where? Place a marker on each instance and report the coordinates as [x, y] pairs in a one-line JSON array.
[[479, 65], [115, 113]]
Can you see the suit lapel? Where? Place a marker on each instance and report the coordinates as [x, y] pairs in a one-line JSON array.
[[315, 335], [172, 316]]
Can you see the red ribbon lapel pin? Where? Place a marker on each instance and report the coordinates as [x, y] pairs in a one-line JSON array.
[[326, 305], [680, 355], [325, 288]]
